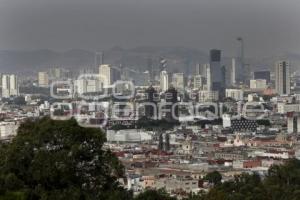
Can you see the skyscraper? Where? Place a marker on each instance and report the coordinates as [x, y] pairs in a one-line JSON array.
[[198, 69], [241, 69], [164, 81], [208, 78], [282, 78], [108, 75], [223, 76], [204, 69], [262, 75], [171, 97], [233, 72], [10, 85], [198, 82], [152, 96], [215, 68], [216, 72]]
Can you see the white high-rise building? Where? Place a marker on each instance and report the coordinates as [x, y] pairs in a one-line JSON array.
[[208, 79], [282, 78], [43, 79], [105, 74], [198, 82], [198, 69], [178, 81], [10, 85], [108, 75], [5, 86], [164, 81], [233, 72], [204, 70]]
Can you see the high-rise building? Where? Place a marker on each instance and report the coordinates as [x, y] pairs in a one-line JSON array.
[[5, 86], [164, 81], [240, 71], [223, 76], [198, 69], [204, 69], [201, 69], [216, 71], [233, 72], [108, 75], [43, 79], [152, 97], [262, 75], [215, 67], [10, 85], [171, 98], [178, 81], [282, 78], [208, 78], [198, 82]]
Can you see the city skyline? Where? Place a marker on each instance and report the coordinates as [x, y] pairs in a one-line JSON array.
[[149, 99]]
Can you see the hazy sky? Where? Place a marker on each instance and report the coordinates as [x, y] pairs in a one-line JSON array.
[[268, 26]]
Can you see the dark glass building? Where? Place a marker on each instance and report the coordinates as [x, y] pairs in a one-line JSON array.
[[263, 75]]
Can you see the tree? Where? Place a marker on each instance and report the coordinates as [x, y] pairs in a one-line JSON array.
[[213, 177], [283, 181], [154, 195], [59, 160]]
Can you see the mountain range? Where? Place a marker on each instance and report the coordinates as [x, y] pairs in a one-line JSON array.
[[179, 59]]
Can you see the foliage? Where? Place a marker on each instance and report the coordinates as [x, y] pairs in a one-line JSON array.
[[154, 195], [264, 122], [150, 124], [282, 182], [58, 160], [213, 177]]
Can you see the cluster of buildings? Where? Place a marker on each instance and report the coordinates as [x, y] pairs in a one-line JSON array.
[[173, 129]]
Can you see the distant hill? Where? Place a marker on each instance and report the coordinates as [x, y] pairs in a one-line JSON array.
[[178, 58]]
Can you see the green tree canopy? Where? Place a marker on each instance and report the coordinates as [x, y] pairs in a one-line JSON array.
[[213, 177], [59, 160], [154, 195]]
